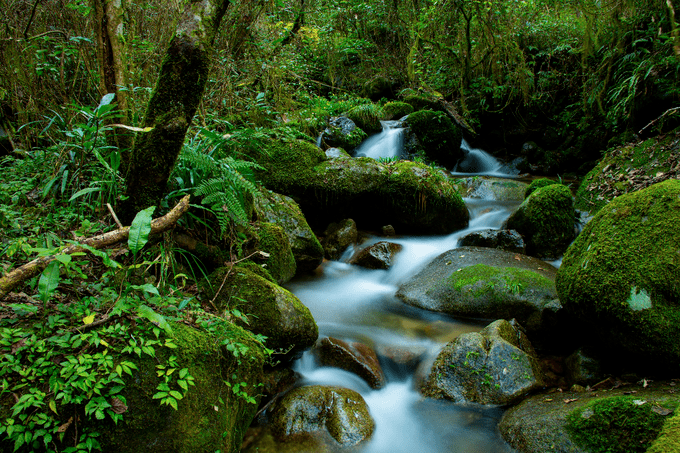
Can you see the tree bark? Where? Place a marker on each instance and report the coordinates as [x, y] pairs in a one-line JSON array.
[[112, 64], [173, 103]]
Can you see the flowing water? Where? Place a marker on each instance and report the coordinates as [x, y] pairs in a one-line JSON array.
[[387, 144], [357, 304]]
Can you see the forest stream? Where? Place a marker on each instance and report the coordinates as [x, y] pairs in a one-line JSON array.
[[359, 305]]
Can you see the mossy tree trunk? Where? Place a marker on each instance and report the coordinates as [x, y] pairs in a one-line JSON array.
[[173, 103]]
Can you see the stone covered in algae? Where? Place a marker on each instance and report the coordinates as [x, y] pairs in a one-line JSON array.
[[587, 422], [285, 212], [479, 282], [621, 277], [210, 417], [494, 366], [272, 240], [396, 110], [271, 310], [546, 221], [436, 137]]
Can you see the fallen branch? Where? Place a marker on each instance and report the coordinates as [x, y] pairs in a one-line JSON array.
[[11, 280]]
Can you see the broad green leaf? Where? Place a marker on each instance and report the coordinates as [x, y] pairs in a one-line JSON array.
[[88, 319], [176, 394], [144, 311], [140, 229], [147, 288], [49, 280]]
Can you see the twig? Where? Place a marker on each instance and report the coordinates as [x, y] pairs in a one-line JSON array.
[[669, 111], [113, 214]]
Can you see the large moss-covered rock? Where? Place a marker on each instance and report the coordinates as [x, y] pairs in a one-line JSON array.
[[210, 417], [396, 110], [487, 283], [613, 421], [271, 310], [437, 137], [272, 240], [621, 277], [629, 168], [546, 221], [316, 419], [284, 212], [366, 117], [494, 366]]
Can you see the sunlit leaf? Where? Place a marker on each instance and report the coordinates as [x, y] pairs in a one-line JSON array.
[[140, 229]]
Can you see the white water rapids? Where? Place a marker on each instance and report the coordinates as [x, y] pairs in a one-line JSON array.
[[356, 304]]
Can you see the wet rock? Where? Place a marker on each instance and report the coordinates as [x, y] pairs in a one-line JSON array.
[[581, 422], [337, 153], [583, 369], [339, 236], [494, 366], [487, 283], [388, 231], [621, 279], [435, 135], [508, 240], [409, 356], [340, 412], [354, 357], [546, 221], [271, 310], [488, 188], [342, 133], [284, 212], [280, 261], [380, 255]]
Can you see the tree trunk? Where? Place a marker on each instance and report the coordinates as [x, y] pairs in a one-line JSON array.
[[112, 64], [173, 103]]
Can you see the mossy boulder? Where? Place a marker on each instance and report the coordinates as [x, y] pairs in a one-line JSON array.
[[343, 133], [621, 277], [630, 168], [271, 310], [366, 117], [285, 212], [537, 184], [316, 419], [396, 110], [477, 282], [494, 366], [437, 137], [546, 221], [669, 439], [272, 240], [591, 422], [210, 417], [410, 196]]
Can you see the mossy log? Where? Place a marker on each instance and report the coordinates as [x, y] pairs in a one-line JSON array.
[[172, 106]]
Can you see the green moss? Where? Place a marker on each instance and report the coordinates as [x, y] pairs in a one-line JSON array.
[[537, 184], [421, 103], [209, 417], [396, 110], [273, 240], [669, 439], [288, 163], [438, 137], [617, 424], [484, 279], [546, 221], [366, 117], [630, 246]]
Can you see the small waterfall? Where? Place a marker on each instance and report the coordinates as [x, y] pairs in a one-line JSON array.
[[386, 144], [479, 162]]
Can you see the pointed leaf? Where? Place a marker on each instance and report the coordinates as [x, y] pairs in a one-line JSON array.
[[140, 229], [49, 280]]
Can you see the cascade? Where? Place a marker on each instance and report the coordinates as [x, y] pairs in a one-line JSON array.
[[356, 304]]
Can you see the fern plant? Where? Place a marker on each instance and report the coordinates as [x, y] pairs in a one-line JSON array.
[[224, 183]]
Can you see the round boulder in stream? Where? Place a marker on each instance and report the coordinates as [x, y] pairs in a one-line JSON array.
[[494, 366], [435, 135], [354, 357], [380, 255], [316, 419], [546, 220], [478, 282]]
